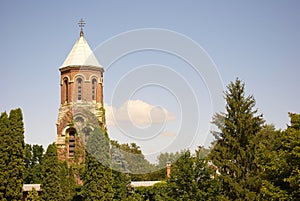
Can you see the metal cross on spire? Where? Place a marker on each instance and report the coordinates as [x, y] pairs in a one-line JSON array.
[[81, 24]]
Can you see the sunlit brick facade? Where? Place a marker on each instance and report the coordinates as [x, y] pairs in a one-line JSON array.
[[81, 105]]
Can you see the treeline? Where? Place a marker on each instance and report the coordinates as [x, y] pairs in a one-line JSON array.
[[106, 162], [249, 160]]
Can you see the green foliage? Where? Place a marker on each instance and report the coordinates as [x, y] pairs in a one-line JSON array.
[[33, 163], [4, 154], [267, 159], [67, 181], [97, 178], [249, 161], [32, 196], [137, 164], [51, 169], [156, 192], [16, 164], [181, 183], [192, 179], [291, 152], [120, 185], [159, 191], [163, 159], [233, 152], [279, 156], [130, 159], [77, 193], [12, 155], [120, 172]]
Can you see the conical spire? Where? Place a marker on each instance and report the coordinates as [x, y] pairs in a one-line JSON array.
[[81, 53]]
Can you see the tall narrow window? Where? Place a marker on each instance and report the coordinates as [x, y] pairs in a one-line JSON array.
[[72, 133], [66, 90], [94, 87], [79, 89]]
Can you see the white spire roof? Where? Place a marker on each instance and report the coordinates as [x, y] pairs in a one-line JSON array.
[[81, 55]]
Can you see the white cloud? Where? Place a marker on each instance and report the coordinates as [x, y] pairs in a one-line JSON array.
[[138, 113], [168, 134]]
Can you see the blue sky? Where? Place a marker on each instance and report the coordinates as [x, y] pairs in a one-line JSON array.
[[257, 41]]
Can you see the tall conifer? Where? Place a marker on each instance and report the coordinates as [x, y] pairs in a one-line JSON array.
[[4, 154], [51, 175], [97, 179], [67, 181], [233, 152], [14, 188]]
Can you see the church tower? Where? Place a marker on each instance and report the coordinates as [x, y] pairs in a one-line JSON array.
[[81, 103]]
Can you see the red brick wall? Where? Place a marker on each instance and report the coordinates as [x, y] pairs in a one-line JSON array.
[[85, 74]]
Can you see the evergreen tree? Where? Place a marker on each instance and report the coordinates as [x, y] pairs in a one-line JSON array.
[[4, 154], [14, 187], [233, 152], [51, 169], [12, 155], [67, 181], [33, 196], [97, 178]]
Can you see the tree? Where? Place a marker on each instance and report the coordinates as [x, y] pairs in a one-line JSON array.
[[33, 162], [67, 181], [11, 155], [279, 156], [266, 157], [120, 185], [51, 183], [156, 192], [129, 158], [97, 178], [120, 172], [4, 154], [233, 152], [192, 179], [163, 160], [291, 151], [32, 196], [15, 164]]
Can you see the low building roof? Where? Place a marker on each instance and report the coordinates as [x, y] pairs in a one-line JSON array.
[[143, 183], [29, 187]]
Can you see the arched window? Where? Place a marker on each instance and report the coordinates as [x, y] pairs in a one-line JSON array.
[[79, 89], [94, 88], [66, 83]]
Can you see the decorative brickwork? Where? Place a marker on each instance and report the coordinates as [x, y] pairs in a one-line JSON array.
[[81, 105]]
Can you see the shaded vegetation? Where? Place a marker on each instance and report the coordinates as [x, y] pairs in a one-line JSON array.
[[249, 160]]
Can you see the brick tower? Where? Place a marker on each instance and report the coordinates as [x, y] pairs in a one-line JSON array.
[[81, 105]]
